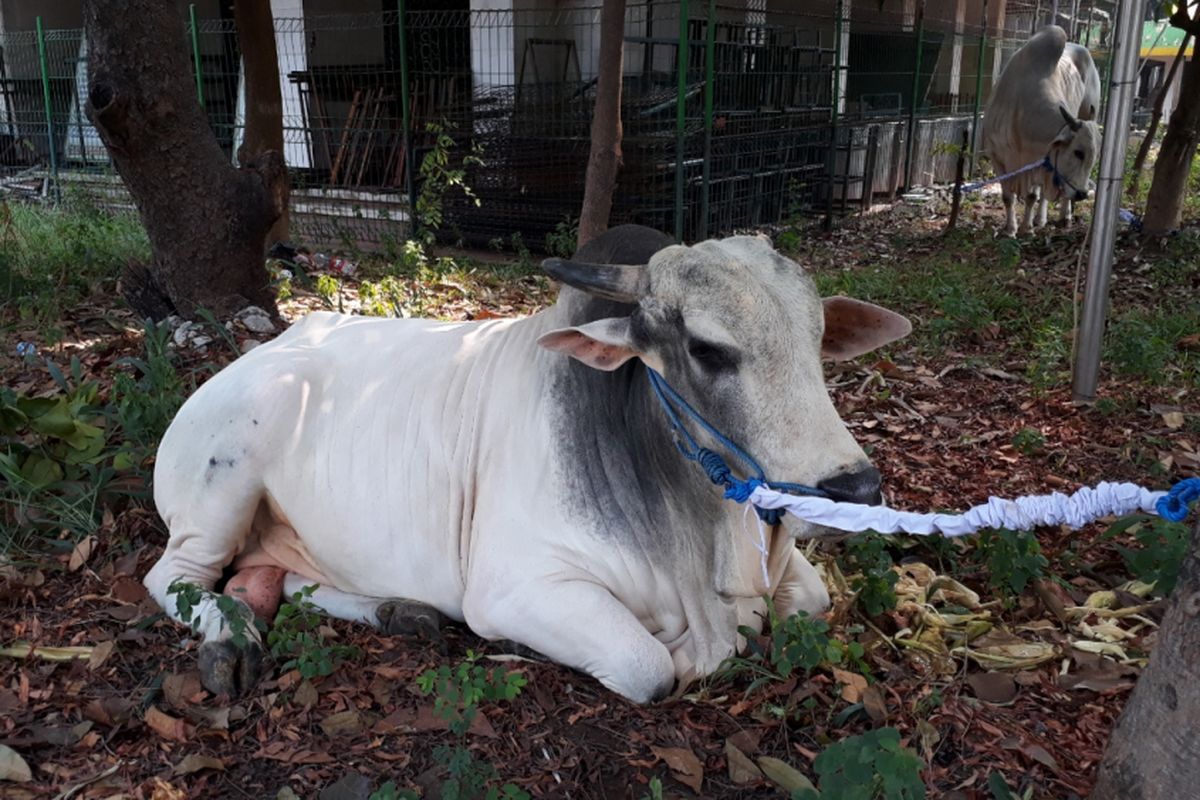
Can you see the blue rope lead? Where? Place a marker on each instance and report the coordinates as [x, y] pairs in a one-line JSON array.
[[1174, 506], [714, 465]]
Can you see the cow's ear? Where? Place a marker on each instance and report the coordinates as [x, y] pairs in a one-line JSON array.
[[604, 344], [853, 327]]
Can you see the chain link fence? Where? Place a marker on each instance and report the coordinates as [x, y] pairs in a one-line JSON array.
[[733, 116]]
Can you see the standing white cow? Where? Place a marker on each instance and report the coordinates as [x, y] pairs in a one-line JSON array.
[[1042, 108], [416, 469]]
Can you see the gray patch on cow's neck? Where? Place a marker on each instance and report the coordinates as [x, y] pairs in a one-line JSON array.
[[624, 478]]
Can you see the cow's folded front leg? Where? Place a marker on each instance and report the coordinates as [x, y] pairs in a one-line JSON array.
[[580, 624], [393, 616]]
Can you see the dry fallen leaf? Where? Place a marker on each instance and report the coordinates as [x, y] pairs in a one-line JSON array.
[[685, 767], [993, 687], [165, 725], [784, 775], [1173, 419], [741, 768], [852, 683], [100, 654], [81, 553], [194, 762], [13, 767]]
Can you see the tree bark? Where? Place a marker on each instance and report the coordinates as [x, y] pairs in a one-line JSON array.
[[264, 98], [1164, 205], [206, 219], [604, 161], [1139, 161], [1154, 752]]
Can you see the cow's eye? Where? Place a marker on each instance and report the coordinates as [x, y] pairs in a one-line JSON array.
[[712, 357], [1079, 154]]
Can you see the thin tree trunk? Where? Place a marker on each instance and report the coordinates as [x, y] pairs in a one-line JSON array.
[[1164, 205], [605, 158], [206, 219], [1154, 752], [1139, 162], [264, 98]]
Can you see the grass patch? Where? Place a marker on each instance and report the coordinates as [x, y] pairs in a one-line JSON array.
[[51, 258]]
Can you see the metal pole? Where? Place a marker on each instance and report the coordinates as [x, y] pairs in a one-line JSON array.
[[52, 147], [978, 89], [710, 49], [1090, 340], [196, 53], [410, 181], [681, 117], [912, 105], [834, 108]]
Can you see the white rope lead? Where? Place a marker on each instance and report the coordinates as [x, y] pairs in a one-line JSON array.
[[1025, 513]]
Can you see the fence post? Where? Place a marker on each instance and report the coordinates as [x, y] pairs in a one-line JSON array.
[[681, 117], [912, 104], [410, 181], [710, 49], [956, 201], [978, 91], [195, 31], [51, 145], [834, 100]]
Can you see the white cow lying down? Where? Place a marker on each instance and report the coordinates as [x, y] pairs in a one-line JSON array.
[[416, 468]]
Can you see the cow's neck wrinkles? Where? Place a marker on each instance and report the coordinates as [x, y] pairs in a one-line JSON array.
[[626, 481]]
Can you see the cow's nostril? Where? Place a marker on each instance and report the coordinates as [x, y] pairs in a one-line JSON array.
[[861, 486]]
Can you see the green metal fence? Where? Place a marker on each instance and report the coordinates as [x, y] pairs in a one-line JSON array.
[[733, 117]]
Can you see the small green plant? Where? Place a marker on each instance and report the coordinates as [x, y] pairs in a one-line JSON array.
[[146, 399], [383, 299], [1009, 251], [798, 643], [654, 791], [1162, 546], [235, 616], [439, 176], [389, 791], [875, 582], [1013, 559], [296, 636], [1029, 441], [870, 766], [457, 693], [563, 239], [328, 289]]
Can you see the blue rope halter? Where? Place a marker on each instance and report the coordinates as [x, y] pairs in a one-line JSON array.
[[718, 471]]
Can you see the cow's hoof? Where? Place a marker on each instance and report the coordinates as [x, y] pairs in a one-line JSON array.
[[228, 669], [409, 618]]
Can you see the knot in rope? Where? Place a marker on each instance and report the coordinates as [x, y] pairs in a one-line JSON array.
[[1174, 505], [719, 473]]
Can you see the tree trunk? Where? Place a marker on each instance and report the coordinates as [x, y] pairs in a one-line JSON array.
[[1139, 162], [1164, 205], [206, 219], [264, 99], [605, 158], [1154, 753]]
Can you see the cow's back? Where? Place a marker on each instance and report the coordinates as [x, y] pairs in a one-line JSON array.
[[1022, 117], [335, 405]]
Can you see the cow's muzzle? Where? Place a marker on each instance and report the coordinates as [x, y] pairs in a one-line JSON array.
[[861, 486]]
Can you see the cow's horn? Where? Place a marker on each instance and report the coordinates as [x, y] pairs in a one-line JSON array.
[[624, 283], [1070, 118]]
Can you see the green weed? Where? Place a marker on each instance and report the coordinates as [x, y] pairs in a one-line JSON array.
[[296, 636], [870, 766], [1013, 559], [457, 693], [875, 584], [1162, 546]]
